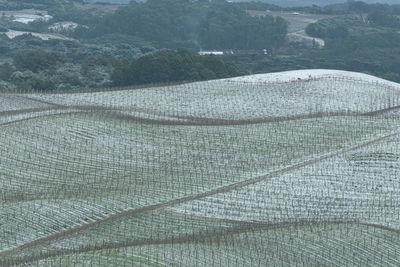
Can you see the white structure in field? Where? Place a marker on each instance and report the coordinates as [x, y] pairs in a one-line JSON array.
[[216, 53], [64, 26]]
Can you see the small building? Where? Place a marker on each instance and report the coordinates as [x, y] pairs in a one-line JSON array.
[[216, 53]]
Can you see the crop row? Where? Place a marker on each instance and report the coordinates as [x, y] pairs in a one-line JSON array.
[[325, 244], [361, 185], [227, 100], [81, 165]]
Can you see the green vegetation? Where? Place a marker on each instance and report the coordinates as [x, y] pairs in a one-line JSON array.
[[358, 44], [178, 23], [35, 4], [41, 68], [355, 42], [52, 70], [117, 39], [384, 19], [362, 37], [226, 27], [172, 66], [37, 60]]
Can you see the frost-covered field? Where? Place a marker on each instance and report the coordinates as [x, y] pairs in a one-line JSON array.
[[287, 169], [12, 102], [256, 97]]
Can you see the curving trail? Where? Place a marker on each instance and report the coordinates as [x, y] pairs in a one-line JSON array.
[[189, 238], [168, 120], [39, 116], [173, 202], [174, 120]]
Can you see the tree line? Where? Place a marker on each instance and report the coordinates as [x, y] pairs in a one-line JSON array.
[[191, 24], [172, 66], [41, 70]]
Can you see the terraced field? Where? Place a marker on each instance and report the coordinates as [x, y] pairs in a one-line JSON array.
[[288, 169]]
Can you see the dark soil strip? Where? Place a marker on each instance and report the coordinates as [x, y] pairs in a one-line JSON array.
[[201, 237], [197, 121], [38, 116], [42, 101], [175, 120], [30, 110], [178, 201], [381, 111], [394, 230]]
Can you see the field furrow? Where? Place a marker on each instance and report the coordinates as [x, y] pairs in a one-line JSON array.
[[279, 169]]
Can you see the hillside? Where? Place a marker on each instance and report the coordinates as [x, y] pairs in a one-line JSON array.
[[292, 3], [276, 2], [110, 1], [106, 45], [277, 169]]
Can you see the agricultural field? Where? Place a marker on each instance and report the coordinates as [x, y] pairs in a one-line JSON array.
[[298, 168]]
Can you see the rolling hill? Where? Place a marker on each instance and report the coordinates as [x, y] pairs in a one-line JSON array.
[[284, 3], [294, 3], [294, 168]]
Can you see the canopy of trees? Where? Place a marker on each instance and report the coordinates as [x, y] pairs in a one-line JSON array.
[[384, 19], [351, 43], [37, 60], [228, 27], [34, 4], [172, 66], [185, 23]]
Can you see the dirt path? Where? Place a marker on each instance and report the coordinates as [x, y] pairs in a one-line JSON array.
[[38, 116], [173, 202], [176, 120], [169, 120], [207, 236]]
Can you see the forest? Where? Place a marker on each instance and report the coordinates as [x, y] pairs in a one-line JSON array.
[[362, 37], [358, 37], [130, 32], [172, 66], [199, 24]]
